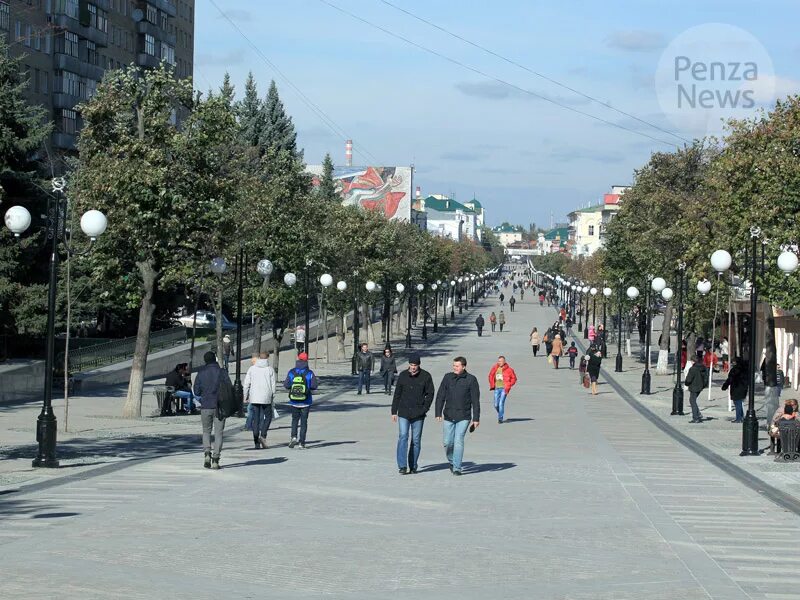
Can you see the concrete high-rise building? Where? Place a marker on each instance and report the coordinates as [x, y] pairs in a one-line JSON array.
[[67, 45]]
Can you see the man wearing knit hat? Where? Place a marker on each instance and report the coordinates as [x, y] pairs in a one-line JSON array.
[[413, 396], [300, 381], [206, 389]]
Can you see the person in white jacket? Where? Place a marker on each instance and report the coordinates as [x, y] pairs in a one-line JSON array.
[[259, 391]]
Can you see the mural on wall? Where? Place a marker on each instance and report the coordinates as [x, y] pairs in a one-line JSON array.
[[383, 189]]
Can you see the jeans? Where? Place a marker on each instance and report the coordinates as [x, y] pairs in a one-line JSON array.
[[299, 415], [494, 326], [188, 397], [262, 419], [226, 359], [695, 410], [408, 456], [571, 361], [480, 331], [555, 360], [363, 379], [248, 422], [500, 402], [208, 418], [454, 433], [535, 348], [501, 326], [388, 380], [739, 410]]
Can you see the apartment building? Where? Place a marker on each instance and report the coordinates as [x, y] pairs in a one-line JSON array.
[[67, 46]]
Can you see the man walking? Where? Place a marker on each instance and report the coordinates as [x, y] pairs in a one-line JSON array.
[[365, 364], [300, 381], [259, 390], [413, 396], [501, 320], [458, 405], [696, 380], [501, 379], [512, 301], [207, 389], [227, 350], [479, 323]]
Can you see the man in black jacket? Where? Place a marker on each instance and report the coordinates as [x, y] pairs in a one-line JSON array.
[[206, 388], [479, 323], [696, 380], [413, 396], [458, 403]]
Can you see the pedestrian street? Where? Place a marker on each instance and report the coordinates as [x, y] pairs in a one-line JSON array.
[[573, 496]]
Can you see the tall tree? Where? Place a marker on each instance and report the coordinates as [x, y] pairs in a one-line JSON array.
[[251, 114], [327, 184], [279, 132]]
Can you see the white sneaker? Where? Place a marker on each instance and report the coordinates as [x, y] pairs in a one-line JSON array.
[[293, 443]]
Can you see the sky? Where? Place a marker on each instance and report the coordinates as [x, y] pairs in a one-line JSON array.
[[471, 123]]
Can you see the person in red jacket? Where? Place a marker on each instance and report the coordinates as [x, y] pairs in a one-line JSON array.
[[501, 379]]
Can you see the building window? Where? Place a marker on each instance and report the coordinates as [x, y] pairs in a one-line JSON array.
[[168, 53], [68, 83], [152, 14], [591, 229], [98, 18], [91, 53], [149, 44], [28, 35], [68, 7], [68, 44], [68, 121], [43, 82], [164, 21], [5, 16], [36, 76]]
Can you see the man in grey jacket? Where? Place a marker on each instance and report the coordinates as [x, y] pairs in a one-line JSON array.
[[206, 388], [259, 390], [458, 404], [366, 362]]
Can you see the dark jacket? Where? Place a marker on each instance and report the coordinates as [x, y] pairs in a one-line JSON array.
[[593, 368], [696, 378], [206, 385], [388, 364], [365, 361], [738, 382], [413, 396], [311, 382], [458, 398], [480, 322], [178, 381]]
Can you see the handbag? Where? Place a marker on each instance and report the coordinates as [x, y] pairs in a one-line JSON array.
[[586, 381], [549, 359]]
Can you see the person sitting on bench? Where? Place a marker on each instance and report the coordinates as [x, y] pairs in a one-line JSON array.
[[180, 381]]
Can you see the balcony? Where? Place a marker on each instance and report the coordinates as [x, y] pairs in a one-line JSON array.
[[61, 100], [166, 6], [65, 62], [64, 141], [147, 61], [90, 33], [145, 27]]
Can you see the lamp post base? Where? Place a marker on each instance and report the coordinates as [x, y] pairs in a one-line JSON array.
[[238, 393], [46, 432], [435, 327], [355, 364], [750, 435], [618, 366], [646, 382], [677, 400], [408, 339], [424, 332]]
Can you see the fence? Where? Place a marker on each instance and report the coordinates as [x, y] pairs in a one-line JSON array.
[[92, 357]]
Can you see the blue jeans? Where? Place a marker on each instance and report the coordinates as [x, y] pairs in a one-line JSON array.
[[500, 402], [188, 397], [739, 411], [454, 433], [248, 422], [409, 456], [363, 380], [262, 418], [300, 416]]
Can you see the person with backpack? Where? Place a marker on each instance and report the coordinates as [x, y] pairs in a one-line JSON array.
[[458, 406], [501, 320], [300, 381], [388, 369], [502, 299], [365, 363], [412, 400], [501, 379], [479, 323], [572, 351], [493, 321], [259, 390], [512, 302], [212, 387], [696, 380]]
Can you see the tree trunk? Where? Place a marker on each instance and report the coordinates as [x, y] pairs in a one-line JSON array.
[[133, 401], [218, 318], [259, 331], [340, 335], [662, 366], [277, 338], [66, 345], [735, 348]]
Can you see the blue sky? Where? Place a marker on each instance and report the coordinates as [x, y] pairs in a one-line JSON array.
[[526, 159]]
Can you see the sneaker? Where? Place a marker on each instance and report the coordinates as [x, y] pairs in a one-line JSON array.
[[457, 473], [263, 442], [257, 444], [403, 471], [293, 443], [500, 421], [413, 471], [451, 468], [207, 460], [302, 447], [215, 464], [696, 421]]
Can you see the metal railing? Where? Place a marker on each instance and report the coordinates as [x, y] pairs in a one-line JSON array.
[[99, 355]]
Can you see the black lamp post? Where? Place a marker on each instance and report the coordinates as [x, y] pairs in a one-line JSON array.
[[435, 288], [93, 224], [593, 293], [579, 309], [453, 299], [409, 301], [632, 293], [677, 391], [750, 422], [586, 324], [356, 324], [606, 295], [445, 295], [460, 295], [655, 286], [238, 389], [420, 288]]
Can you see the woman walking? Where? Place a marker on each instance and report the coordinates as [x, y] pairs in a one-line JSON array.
[[593, 368], [388, 370], [558, 350], [493, 321], [535, 340], [501, 319]]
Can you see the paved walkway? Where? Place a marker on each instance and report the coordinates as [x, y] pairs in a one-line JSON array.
[[573, 497]]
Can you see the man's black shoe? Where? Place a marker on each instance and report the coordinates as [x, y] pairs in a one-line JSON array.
[[696, 421], [403, 471], [451, 468], [413, 471], [207, 460], [456, 472]]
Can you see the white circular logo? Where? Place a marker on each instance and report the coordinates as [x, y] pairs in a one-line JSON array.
[[711, 73]]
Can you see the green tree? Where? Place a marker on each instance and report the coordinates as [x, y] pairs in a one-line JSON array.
[[279, 132], [327, 184]]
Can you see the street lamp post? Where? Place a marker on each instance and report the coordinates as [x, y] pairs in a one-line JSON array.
[[409, 300], [238, 390], [435, 288], [586, 312], [721, 261], [342, 287], [453, 299], [607, 291], [677, 391], [356, 325], [460, 293], [657, 284], [579, 309], [593, 292], [445, 295], [93, 224], [420, 288], [750, 422]]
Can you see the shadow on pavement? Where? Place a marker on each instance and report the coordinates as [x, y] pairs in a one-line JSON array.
[[312, 445], [520, 420], [261, 461], [469, 468]]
